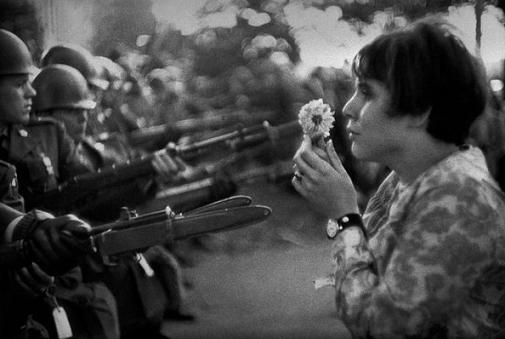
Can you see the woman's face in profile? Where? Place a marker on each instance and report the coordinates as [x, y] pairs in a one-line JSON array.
[[374, 135]]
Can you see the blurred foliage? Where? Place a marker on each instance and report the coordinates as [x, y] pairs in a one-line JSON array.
[[352, 9], [411, 9], [118, 24], [218, 49]]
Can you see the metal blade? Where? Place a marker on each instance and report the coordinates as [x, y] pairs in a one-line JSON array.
[[218, 221], [234, 201]]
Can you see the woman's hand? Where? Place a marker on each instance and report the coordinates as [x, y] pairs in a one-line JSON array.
[[321, 179]]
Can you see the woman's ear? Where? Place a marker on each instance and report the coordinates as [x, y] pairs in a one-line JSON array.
[[420, 120]]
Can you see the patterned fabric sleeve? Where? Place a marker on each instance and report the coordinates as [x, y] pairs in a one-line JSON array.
[[431, 260]]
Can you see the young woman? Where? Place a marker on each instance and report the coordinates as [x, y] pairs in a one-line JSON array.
[[427, 258]]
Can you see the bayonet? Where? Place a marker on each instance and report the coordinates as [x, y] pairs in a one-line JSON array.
[[140, 232]]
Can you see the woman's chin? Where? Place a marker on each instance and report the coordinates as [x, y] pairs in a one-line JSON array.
[[358, 152]]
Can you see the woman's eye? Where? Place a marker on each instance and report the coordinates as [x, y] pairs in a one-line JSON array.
[[365, 92]]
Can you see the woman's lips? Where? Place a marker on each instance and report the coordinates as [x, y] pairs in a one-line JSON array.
[[352, 133]]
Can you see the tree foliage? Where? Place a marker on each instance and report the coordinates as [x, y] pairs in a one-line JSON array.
[[120, 22]]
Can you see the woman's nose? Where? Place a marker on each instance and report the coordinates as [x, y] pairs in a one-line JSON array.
[[350, 108]]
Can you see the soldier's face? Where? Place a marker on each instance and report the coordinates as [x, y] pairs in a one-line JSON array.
[[75, 121], [16, 93]]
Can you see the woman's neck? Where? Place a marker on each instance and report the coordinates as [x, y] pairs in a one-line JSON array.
[[419, 157]]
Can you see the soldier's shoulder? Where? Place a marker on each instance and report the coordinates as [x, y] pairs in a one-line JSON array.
[[44, 125]]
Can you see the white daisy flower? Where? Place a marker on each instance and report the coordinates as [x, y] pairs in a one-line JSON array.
[[316, 119]]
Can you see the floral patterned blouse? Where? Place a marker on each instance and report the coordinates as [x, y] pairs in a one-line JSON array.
[[434, 264]]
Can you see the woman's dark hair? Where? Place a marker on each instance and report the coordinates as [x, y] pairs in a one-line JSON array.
[[426, 67]]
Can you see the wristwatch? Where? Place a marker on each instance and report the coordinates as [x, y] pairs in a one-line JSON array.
[[335, 226]]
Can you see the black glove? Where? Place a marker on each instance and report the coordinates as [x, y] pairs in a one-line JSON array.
[[55, 244]]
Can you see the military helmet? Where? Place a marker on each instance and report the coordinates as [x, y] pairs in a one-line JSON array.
[[15, 58], [61, 87], [77, 57]]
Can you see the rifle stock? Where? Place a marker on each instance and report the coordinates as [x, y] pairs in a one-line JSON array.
[[68, 194]]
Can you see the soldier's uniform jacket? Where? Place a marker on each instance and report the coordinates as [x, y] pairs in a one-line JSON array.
[[141, 298], [106, 150], [105, 204], [44, 156], [97, 320], [9, 186]]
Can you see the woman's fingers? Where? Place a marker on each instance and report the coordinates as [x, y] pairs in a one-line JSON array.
[[333, 157]]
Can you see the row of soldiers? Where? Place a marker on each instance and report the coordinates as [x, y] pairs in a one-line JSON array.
[[45, 141]]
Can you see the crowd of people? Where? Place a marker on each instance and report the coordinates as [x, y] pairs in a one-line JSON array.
[[416, 217]]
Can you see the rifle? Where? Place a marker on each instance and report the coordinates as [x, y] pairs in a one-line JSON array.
[[135, 233], [68, 194], [239, 139], [203, 189], [165, 133]]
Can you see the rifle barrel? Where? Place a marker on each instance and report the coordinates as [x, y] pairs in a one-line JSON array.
[[192, 125], [272, 133], [68, 193], [239, 133]]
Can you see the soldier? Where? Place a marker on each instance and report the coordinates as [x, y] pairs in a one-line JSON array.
[[142, 293], [90, 308], [41, 151], [27, 301], [30, 247], [63, 96], [100, 120]]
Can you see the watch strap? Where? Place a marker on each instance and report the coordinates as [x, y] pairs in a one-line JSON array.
[[335, 226]]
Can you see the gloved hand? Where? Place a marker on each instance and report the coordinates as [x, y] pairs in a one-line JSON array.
[[32, 280], [55, 244]]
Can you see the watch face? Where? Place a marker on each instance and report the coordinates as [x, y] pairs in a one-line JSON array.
[[331, 229]]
